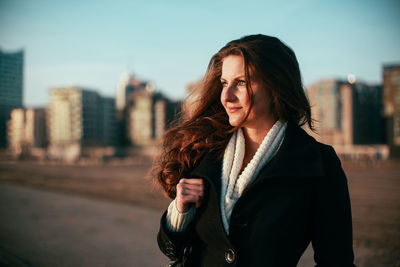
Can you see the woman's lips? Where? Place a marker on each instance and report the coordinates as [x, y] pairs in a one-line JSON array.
[[233, 109]]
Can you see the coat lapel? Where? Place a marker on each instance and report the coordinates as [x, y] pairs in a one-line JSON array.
[[298, 156], [209, 167]]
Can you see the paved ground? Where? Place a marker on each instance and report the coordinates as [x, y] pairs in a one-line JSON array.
[[127, 182], [44, 228], [66, 228]]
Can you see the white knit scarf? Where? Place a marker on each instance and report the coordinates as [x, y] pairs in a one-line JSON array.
[[233, 184]]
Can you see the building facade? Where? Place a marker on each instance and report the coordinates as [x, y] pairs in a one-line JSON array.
[[348, 115], [140, 118], [79, 119], [143, 114], [129, 84], [11, 88], [27, 132], [108, 123], [148, 117], [391, 101]]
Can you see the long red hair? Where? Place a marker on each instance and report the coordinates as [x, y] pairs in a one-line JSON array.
[[206, 128]]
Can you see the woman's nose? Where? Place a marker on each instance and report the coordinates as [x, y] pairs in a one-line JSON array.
[[229, 93]]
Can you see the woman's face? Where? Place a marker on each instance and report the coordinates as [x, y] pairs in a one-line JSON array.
[[235, 99]]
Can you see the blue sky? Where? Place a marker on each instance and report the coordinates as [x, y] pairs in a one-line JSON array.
[[91, 43]]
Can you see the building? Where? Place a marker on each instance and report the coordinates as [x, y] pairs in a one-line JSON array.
[[347, 114], [79, 120], [108, 122], [143, 114], [11, 88], [160, 118], [127, 85], [27, 132], [391, 102], [148, 116], [140, 118]]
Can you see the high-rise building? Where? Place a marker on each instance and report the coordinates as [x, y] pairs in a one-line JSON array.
[[127, 85], [143, 115], [79, 118], [26, 131], [108, 122], [11, 88], [140, 116], [148, 116], [160, 118], [347, 113], [391, 102]]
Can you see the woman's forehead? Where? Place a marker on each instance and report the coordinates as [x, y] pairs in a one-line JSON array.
[[233, 65], [236, 65]]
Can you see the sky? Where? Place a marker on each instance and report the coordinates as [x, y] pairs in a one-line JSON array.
[[91, 43]]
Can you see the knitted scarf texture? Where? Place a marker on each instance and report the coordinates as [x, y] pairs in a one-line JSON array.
[[233, 182]]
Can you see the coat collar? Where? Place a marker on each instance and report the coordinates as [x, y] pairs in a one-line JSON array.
[[298, 156]]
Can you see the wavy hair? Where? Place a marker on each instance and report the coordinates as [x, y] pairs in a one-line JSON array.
[[206, 127]]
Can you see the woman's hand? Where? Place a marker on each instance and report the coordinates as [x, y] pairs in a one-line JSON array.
[[188, 192]]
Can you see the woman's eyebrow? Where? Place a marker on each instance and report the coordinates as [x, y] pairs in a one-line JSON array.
[[236, 78]]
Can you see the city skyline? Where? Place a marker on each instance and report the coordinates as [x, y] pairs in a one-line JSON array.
[[91, 44]]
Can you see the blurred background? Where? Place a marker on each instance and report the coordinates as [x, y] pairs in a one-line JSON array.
[[87, 89]]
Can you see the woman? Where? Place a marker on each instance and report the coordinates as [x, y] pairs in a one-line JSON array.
[[249, 186]]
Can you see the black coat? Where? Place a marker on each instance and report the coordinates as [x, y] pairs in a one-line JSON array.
[[301, 195]]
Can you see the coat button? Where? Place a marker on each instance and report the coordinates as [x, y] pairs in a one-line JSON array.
[[187, 250], [230, 256]]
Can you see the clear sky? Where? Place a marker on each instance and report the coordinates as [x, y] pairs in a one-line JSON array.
[[90, 43]]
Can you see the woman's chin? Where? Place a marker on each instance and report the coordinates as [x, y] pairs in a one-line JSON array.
[[234, 122]]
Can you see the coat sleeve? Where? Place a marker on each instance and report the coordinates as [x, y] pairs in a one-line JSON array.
[[173, 244], [332, 237]]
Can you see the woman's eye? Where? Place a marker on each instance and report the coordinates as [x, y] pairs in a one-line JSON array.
[[224, 84], [241, 83]]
